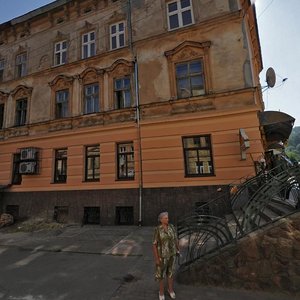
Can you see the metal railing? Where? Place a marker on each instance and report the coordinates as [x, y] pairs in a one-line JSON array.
[[254, 203]]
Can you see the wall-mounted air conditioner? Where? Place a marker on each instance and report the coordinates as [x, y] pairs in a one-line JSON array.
[[28, 167], [28, 154]]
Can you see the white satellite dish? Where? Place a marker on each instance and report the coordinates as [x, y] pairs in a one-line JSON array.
[[271, 78]]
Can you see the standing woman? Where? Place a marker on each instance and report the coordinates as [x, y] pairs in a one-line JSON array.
[[165, 248]]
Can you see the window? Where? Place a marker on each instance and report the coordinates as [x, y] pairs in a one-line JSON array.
[[1, 115], [21, 112], [61, 104], [60, 172], [88, 44], [122, 92], [91, 98], [1, 69], [125, 161], [61, 214], [16, 176], [60, 53], [92, 163], [21, 61], [91, 215], [117, 35], [190, 79], [198, 156], [180, 13], [124, 215]]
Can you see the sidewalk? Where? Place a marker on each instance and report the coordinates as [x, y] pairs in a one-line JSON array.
[[127, 241]]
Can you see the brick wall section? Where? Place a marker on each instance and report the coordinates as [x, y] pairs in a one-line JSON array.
[[268, 259], [177, 201]]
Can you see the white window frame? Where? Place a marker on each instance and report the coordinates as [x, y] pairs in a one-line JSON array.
[[60, 52], [89, 44], [117, 35], [2, 65], [23, 63], [179, 12]]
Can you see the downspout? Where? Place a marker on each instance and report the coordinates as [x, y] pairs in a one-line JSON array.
[[138, 120], [137, 112]]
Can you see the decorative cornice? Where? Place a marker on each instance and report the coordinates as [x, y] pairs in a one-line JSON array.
[[203, 45]]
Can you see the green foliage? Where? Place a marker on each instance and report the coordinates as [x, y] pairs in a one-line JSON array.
[[293, 147]]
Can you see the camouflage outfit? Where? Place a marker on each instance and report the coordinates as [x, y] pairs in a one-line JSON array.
[[166, 240]]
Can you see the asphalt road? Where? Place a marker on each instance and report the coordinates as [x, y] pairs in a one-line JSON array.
[[92, 263], [38, 275]]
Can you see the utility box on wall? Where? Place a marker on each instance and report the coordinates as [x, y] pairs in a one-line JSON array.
[[29, 161]]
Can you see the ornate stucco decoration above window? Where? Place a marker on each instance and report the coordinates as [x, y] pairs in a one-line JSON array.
[[189, 51], [90, 75], [61, 82], [120, 67], [21, 91]]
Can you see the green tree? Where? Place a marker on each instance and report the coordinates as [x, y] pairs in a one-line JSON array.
[[293, 147], [294, 138]]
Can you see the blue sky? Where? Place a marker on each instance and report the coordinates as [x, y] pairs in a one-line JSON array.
[[279, 25]]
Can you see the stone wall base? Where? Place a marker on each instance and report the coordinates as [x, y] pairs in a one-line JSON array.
[[69, 206], [268, 259]]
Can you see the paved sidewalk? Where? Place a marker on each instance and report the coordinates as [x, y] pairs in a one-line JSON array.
[[126, 242]]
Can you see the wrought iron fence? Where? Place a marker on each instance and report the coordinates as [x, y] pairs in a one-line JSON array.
[[254, 203]]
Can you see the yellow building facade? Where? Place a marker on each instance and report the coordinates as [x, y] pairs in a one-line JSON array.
[[112, 111]]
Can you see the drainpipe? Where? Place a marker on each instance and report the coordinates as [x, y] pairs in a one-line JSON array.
[[137, 112], [129, 25], [138, 120]]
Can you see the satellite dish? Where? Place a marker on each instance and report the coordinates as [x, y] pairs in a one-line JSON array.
[[270, 77]]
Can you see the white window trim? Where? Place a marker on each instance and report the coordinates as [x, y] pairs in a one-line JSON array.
[[88, 44], [61, 51], [179, 12], [117, 35]]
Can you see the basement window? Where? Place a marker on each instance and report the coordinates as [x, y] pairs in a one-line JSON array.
[[124, 215], [91, 215], [13, 210], [61, 214]]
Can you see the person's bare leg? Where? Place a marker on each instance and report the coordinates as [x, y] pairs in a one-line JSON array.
[[170, 284], [161, 287]]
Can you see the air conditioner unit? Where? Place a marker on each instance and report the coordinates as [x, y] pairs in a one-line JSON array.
[[28, 154], [27, 167]]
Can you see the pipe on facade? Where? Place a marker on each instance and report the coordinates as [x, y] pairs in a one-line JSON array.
[[138, 120], [137, 112]]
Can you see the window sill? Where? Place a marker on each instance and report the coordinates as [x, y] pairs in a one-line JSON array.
[[59, 65], [58, 182], [198, 175], [125, 179], [116, 49], [180, 27], [191, 97], [90, 180]]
